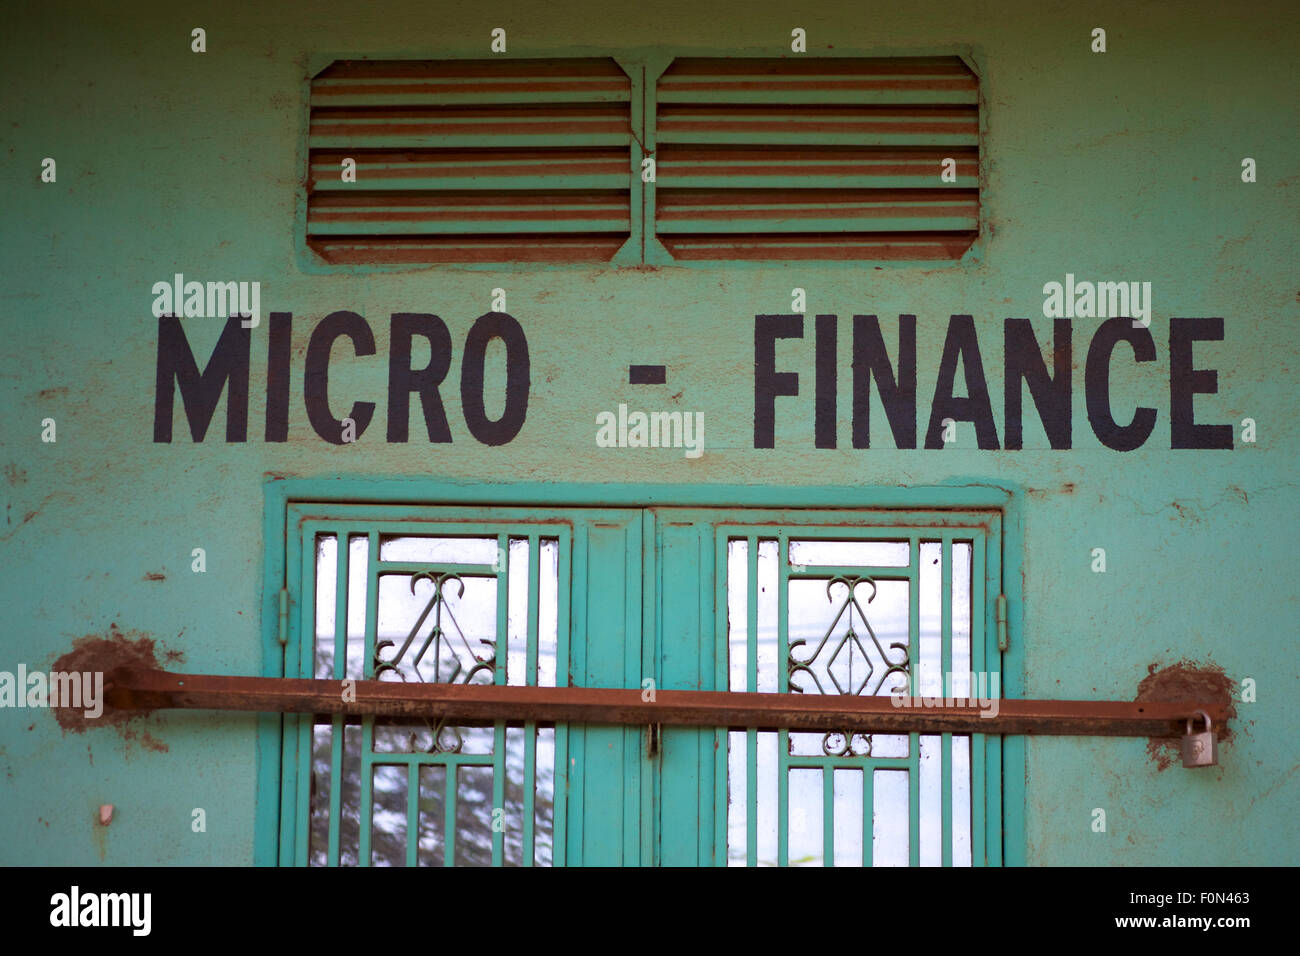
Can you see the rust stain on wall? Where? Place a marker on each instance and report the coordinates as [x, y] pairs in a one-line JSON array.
[[1067, 488], [1185, 680], [99, 835], [102, 653]]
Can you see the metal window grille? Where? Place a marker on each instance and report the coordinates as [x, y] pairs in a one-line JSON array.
[[793, 602], [825, 611], [447, 605]]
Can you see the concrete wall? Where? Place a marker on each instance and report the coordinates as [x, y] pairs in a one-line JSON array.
[[1117, 166]]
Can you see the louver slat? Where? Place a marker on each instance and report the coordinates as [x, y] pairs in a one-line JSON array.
[[833, 159], [470, 161]]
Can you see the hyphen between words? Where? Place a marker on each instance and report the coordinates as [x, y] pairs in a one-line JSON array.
[[892, 368]]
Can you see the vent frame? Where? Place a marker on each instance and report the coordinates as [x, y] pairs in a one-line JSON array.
[[644, 250], [690, 135]]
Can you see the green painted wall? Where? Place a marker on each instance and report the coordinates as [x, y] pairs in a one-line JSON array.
[[1117, 166]]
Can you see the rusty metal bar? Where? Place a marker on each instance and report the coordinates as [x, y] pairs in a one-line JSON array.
[[136, 689]]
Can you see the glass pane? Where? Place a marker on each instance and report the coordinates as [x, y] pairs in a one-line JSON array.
[[805, 812], [544, 800], [737, 798], [548, 612], [890, 830], [961, 619], [433, 800], [767, 796], [358, 581], [881, 554], [322, 735], [388, 817], [474, 815], [327, 553], [517, 613], [848, 817], [931, 800], [768, 666], [436, 550], [350, 798], [929, 664], [737, 616], [961, 806]]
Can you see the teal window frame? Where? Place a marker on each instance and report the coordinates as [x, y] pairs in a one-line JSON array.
[[281, 494], [945, 527], [346, 523]]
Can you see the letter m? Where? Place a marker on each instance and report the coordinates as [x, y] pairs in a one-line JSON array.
[[219, 293], [200, 391], [65, 689], [1115, 297], [119, 905]]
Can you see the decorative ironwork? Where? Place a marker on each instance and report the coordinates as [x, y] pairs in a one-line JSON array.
[[839, 744], [446, 739], [848, 648]]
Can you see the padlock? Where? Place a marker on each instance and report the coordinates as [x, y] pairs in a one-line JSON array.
[[1200, 749]]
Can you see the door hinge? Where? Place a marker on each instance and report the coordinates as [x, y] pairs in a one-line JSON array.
[[1001, 615], [284, 617]]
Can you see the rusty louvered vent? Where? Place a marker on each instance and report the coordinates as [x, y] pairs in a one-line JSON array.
[[466, 161], [817, 159]]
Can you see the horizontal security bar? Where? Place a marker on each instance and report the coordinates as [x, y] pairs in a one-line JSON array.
[[137, 689]]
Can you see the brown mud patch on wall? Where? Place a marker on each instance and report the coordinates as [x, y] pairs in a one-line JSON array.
[[102, 653], [1185, 680]]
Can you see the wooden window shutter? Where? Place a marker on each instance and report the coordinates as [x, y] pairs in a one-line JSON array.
[[467, 161], [816, 159]]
